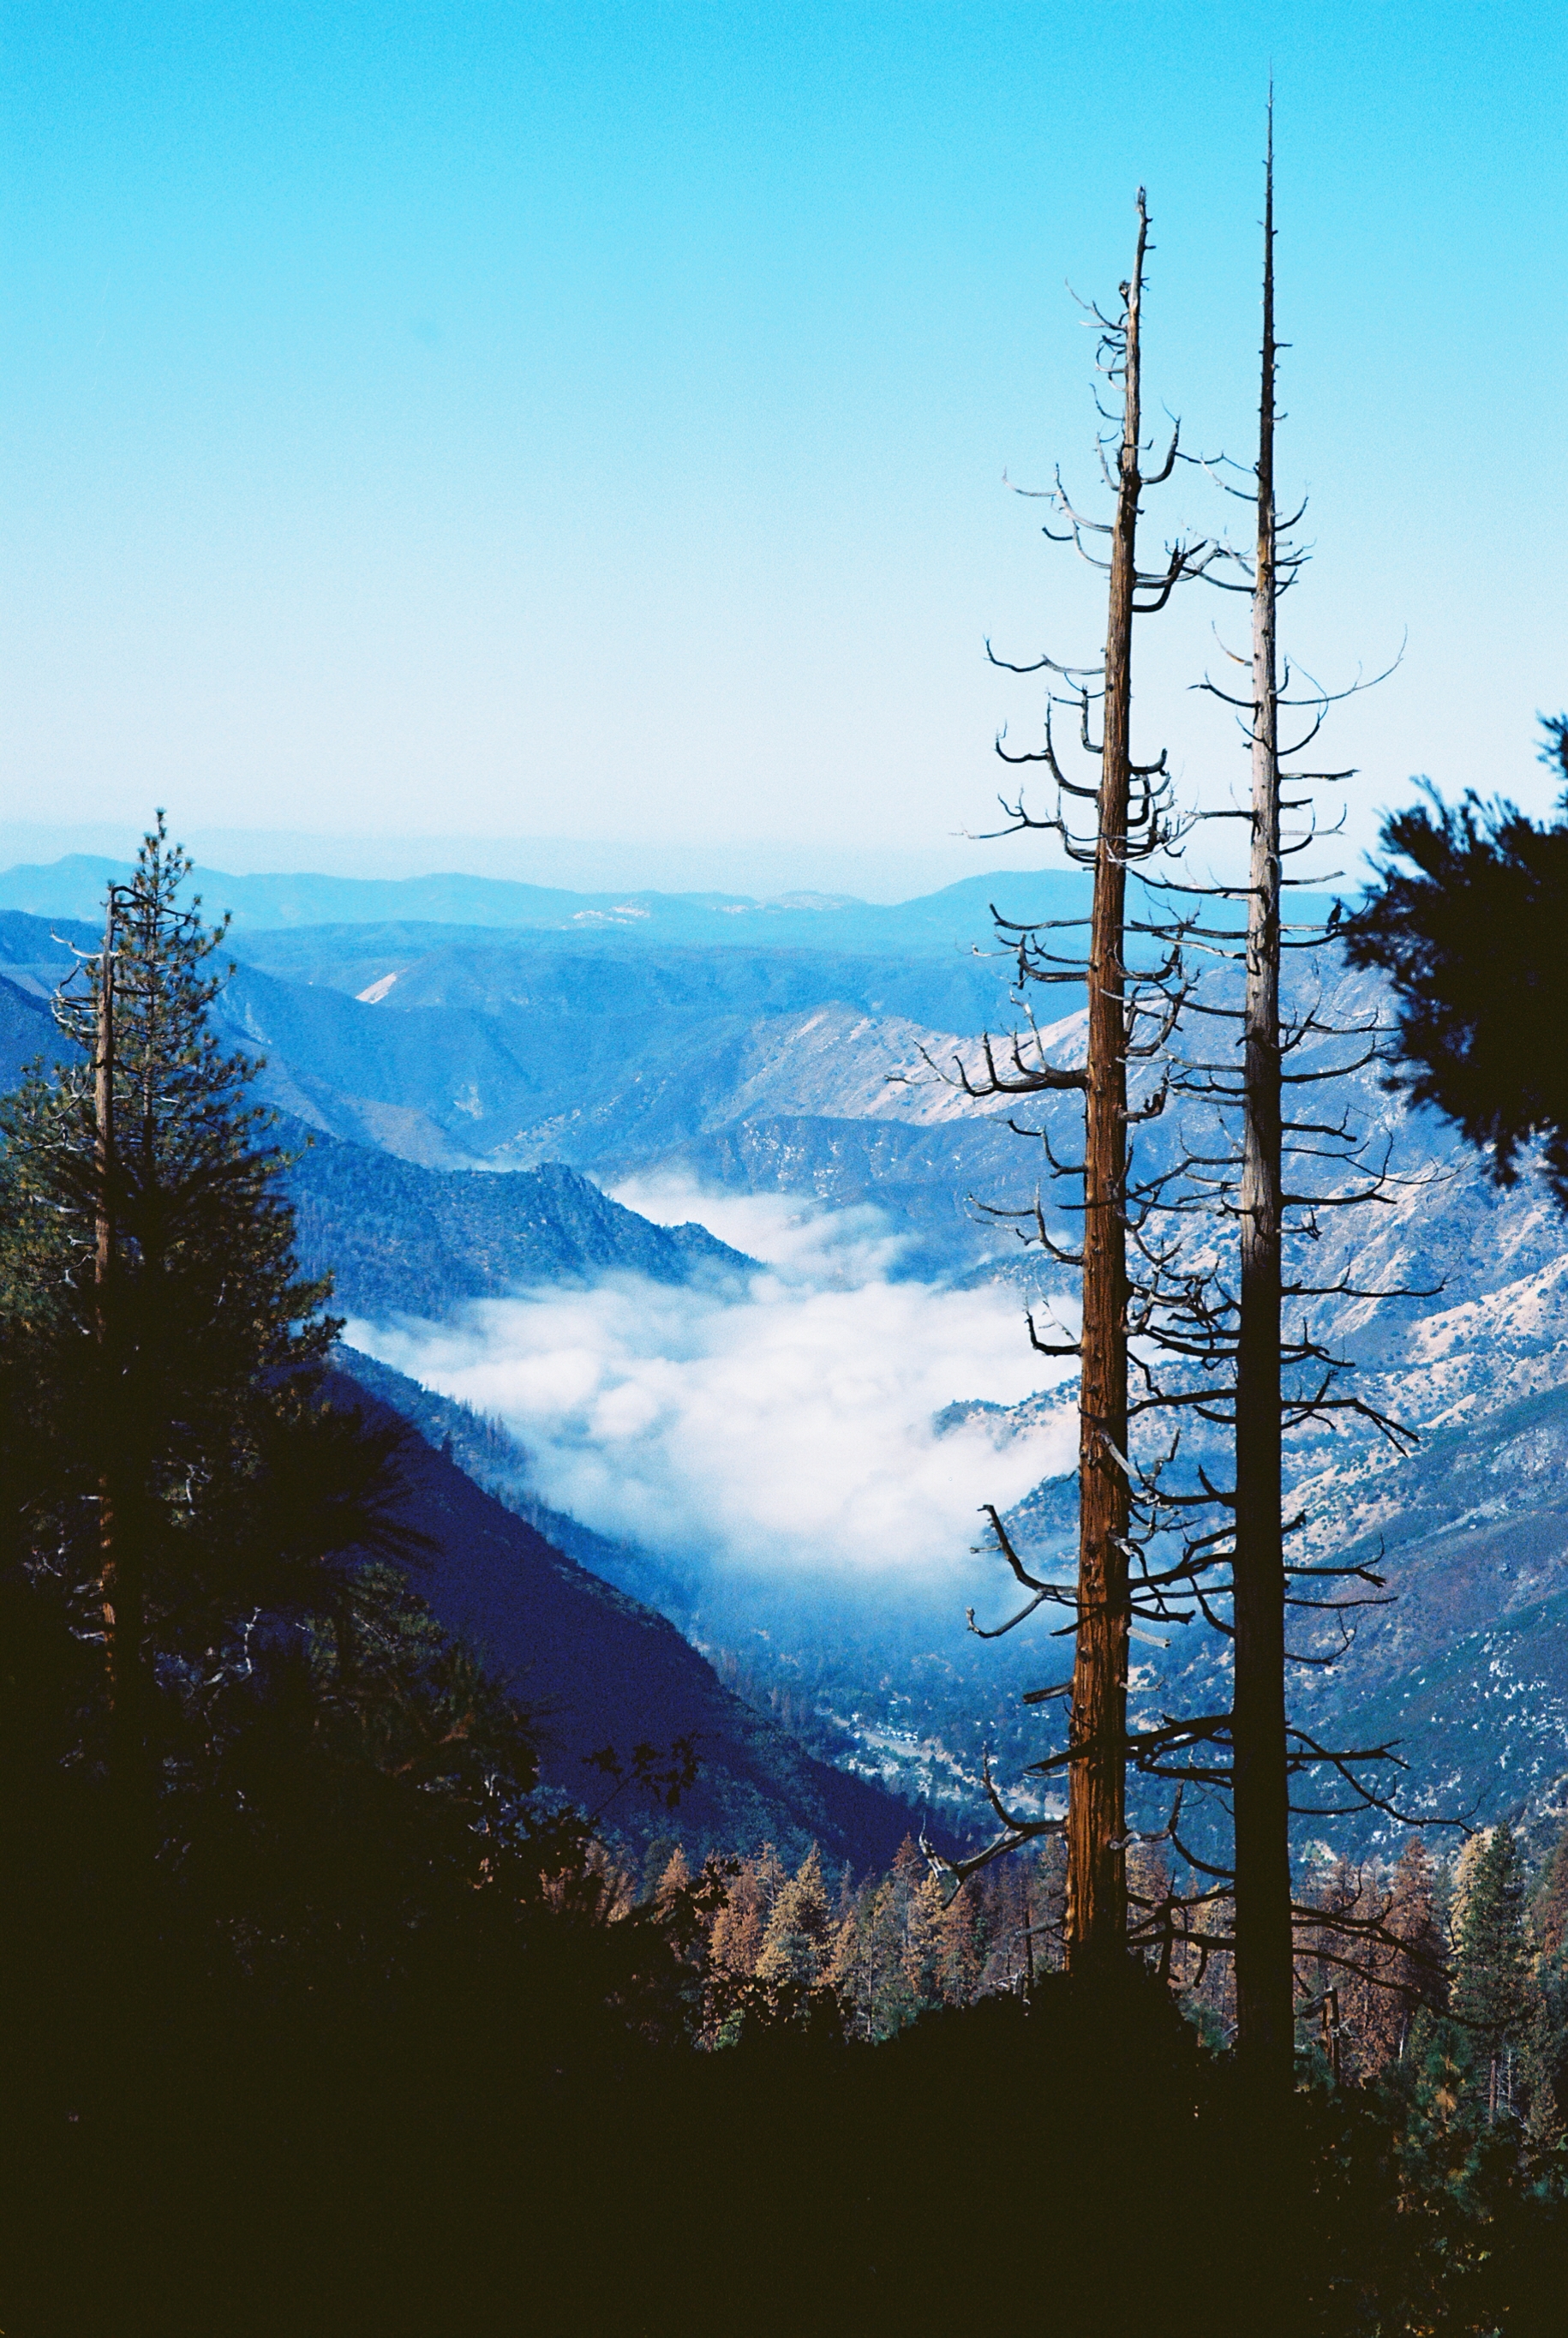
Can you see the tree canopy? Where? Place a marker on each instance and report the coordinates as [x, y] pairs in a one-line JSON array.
[[1467, 918]]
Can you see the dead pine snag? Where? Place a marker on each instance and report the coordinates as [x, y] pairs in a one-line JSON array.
[[1130, 824]]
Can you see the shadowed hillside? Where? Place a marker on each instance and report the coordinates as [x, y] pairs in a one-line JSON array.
[[597, 1669]]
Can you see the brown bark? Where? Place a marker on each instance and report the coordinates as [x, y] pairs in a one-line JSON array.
[[1096, 1815], [1264, 1995]]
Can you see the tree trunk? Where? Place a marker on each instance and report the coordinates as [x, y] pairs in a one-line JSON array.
[[121, 1523], [1096, 1815], [104, 1305], [1264, 1985]]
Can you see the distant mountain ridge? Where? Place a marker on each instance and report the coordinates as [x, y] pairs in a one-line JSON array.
[[935, 922], [399, 1240], [957, 917]]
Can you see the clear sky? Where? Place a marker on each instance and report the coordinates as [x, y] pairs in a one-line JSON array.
[[515, 421]]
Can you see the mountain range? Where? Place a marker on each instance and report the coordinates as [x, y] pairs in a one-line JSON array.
[[472, 1090], [73, 888]]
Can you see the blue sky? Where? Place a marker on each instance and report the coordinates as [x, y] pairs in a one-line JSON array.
[[588, 422]]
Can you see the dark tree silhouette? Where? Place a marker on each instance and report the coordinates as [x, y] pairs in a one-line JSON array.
[[172, 1464], [1467, 919]]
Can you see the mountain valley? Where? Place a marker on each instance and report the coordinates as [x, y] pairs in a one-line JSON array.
[[479, 1095]]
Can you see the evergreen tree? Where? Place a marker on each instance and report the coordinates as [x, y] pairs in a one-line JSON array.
[[655, 1863], [1547, 2047], [741, 1924], [1550, 1913], [675, 1878], [923, 1943], [870, 1970], [889, 2003], [1467, 921], [1420, 1966], [1490, 1996], [1443, 2149], [960, 1948], [177, 1490], [735, 1944], [796, 1947], [1007, 1906], [850, 1972]]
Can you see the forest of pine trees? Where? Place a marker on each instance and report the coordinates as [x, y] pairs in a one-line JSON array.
[[1464, 1959]]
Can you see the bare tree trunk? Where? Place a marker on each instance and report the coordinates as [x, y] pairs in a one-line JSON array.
[[103, 1278], [120, 1506], [1096, 1815], [1264, 1986]]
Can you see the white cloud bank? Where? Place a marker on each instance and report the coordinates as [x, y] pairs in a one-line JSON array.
[[788, 1428]]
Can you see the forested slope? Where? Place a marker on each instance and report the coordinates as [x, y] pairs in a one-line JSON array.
[[398, 1238]]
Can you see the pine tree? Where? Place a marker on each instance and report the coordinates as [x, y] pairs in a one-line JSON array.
[[675, 1879], [796, 1946], [1490, 1996], [849, 1965], [741, 1924], [1551, 1909], [870, 1967], [656, 1861], [1460, 1881], [1547, 2046], [888, 2002], [1420, 1966], [172, 1468], [1466, 921], [924, 1928], [960, 1948], [735, 1943]]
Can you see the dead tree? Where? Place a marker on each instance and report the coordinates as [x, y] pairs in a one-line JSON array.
[[1130, 824], [1184, 1289], [1241, 1330], [1260, 1790]]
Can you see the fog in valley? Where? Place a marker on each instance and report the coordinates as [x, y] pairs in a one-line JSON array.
[[779, 1431]]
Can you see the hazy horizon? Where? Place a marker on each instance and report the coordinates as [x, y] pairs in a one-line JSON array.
[[551, 426], [761, 867]]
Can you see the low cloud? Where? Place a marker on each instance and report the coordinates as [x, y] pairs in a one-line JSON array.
[[785, 1429]]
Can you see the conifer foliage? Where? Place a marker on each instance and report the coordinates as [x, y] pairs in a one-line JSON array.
[[1491, 1976], [233, 1738], [176, 1482], [874, 1956], [1466, 920]]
